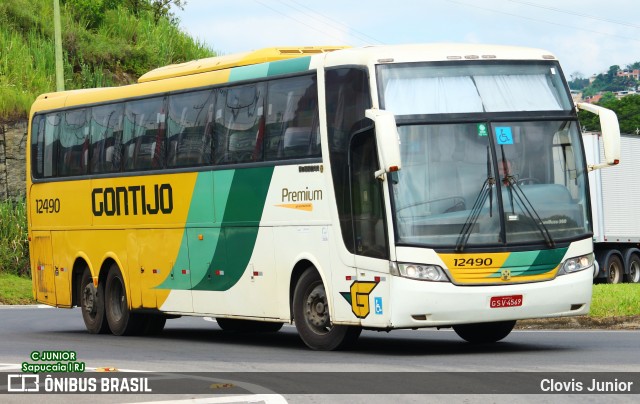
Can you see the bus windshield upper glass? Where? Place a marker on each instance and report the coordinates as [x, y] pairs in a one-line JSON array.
[[494, 180], [435, 88]]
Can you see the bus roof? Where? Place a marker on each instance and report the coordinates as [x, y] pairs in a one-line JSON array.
[[235, 60], [434, 52]]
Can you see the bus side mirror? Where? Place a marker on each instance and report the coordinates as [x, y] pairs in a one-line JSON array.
[[610, 134], [387, 140]]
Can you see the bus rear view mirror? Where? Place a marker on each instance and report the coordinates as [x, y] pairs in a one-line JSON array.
[[387, 140], [610, 134]]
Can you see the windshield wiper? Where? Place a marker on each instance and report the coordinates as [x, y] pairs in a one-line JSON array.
[[472, 219], [527, 207]]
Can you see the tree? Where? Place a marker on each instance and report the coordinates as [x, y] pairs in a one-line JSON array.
[[627, 109], [159, 8], [578, 81], [162, 9]]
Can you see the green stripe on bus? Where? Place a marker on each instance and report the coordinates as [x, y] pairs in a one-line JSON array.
[[289, 66], [263, 70], [240, 226], [249, 72], [528, 263], [219, 259]]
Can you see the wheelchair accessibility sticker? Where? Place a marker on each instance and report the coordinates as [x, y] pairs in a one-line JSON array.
[[378, 304], [504, 135]]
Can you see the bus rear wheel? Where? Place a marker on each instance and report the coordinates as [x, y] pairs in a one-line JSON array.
[[311, 316], [121, 320], [92, 304], [484, 333]]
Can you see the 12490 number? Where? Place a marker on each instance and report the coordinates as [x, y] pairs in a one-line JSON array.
[[472, 262], [51, 205]]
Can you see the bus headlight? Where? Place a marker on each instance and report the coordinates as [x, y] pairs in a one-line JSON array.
[[576, 264], [422, 272]]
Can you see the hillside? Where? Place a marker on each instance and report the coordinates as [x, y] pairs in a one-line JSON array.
[[105, 43]]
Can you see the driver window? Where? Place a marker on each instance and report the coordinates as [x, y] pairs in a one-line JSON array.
[[367, 198]]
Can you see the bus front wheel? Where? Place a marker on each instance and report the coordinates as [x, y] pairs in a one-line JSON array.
[[92, 304], [484, 333], [311, 316], [121, 320]]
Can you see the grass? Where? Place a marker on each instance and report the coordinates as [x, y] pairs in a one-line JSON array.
[[615, 300], [15, 289], [14, 247]]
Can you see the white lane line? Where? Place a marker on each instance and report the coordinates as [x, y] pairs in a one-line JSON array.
[[24, 306], [256, 398]]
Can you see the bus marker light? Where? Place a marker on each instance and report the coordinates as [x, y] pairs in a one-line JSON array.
[[185, 271], [256, 273], [376, 279], [219, 272], [348, 277], [156, 271], [200, 237]]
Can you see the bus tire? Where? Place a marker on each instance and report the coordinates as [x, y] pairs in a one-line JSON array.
[[92, 304], [121, 320], [484, 333], [634, 269], [234, 324], [614, 268], [311, 316]]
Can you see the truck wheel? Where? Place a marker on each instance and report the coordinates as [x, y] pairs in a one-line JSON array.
[[634, 269], [614, 269], [484, 333], [311, 316], [121, 320], [92, 304]]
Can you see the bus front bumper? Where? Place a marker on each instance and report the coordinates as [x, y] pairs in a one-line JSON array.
[[433, 304]]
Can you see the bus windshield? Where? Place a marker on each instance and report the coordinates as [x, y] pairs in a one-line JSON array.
[[505, 178]]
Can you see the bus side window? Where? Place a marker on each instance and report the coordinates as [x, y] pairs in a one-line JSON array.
[[37, 146], [292, 119], [239, 140], [189, 128], [106, 137], [144, 137], [73, 154], [51, 145]]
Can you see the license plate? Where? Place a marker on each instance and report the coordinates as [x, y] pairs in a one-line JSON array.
[[497, 302]]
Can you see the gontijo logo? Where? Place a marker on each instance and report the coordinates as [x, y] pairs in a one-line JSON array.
[[132, 200]]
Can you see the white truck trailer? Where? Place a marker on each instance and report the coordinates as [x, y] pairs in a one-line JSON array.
[[615, 204]]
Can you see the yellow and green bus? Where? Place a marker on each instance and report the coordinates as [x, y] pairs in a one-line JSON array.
[[336, 188]]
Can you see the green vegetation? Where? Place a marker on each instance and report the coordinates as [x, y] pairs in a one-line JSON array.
[[615, 300], [15, 289], [14, 247], [105, 43], [626, 108]]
